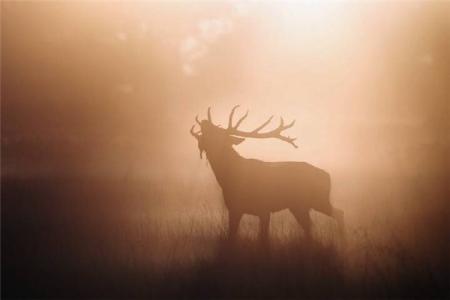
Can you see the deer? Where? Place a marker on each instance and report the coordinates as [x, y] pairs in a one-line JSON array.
[[260, 188]]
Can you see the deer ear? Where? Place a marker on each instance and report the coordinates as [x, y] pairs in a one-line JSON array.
[[236, 140]]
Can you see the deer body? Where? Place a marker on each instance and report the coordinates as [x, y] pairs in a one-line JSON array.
[[255, 187]]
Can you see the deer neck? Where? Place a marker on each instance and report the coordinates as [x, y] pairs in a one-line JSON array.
[[223, 163]]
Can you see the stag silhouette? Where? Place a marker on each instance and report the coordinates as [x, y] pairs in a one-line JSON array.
[[256, 187]]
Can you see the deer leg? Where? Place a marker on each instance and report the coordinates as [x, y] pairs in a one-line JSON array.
[[304, 219], [338, 215], [264, 222], [233, 224]]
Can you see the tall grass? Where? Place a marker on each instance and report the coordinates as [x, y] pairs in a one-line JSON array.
[[75, 248]]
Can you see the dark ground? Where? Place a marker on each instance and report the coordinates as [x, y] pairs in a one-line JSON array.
[[72, 239]]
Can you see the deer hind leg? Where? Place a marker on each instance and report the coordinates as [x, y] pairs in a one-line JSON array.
[[338, 215], [234, 219], [304, 219]]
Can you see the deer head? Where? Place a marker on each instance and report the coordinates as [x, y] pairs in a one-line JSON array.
[[211, 136]]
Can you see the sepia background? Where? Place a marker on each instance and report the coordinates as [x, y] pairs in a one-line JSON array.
[[103, 189]]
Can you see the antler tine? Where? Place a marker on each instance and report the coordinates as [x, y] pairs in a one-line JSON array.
[[289, 140], [230, 118], [209, 114], [240, 120], [290, 124], [197, 120], [263, 125], [282, 127], [286, 126]]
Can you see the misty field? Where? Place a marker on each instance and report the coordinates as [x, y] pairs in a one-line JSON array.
[[81, 238], [103, 191]]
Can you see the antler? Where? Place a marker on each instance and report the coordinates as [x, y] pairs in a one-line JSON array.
[[275, 133], [209, 114], [230, 119], [209, 117], [195, 134]]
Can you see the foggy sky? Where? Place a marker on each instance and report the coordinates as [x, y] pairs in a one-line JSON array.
[[105, 88]]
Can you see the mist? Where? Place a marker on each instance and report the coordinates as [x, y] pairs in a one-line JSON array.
[[104, 93]]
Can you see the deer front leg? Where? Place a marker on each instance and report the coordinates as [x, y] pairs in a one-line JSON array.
[[234, 219]]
